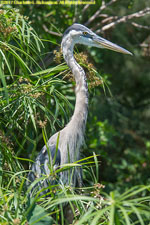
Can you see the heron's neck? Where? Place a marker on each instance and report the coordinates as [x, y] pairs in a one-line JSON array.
[[78, 120]]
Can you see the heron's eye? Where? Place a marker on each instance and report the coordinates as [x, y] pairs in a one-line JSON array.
[[85, 33]]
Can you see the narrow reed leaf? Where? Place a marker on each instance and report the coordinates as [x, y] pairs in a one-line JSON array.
[[125, 214], [2, 77]]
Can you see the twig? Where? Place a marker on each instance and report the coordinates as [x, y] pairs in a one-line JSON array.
[[85, 8], [92, 18], [51, 32], [110, 18], [145, 45], [140, 26], [124, 19], [103, 15], [97, 25]]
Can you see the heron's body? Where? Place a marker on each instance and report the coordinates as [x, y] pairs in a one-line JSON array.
[[71, 137]]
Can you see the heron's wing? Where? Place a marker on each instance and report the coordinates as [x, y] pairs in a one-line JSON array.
[[49, 157], [44, 166]]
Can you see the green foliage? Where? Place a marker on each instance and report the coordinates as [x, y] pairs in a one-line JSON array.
[[38, 216], [36, 97], [86, 205], [24, 94]]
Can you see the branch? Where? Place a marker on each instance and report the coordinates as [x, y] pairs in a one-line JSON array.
[[103, 6], [110, 18], [51, 32], [99, 24], [85, 8], [145, 45], [124, 19], [140, 26]]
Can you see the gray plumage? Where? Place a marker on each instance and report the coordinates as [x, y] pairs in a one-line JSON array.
[[71, 137]]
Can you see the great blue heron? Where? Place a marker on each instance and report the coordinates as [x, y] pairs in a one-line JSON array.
[[71, 137]]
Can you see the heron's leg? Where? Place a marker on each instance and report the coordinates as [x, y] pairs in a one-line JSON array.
[[79, 177]]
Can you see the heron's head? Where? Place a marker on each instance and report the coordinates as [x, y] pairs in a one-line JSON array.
[[82, 35]]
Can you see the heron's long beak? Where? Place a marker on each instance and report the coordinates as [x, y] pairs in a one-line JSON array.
[[103, 43]]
